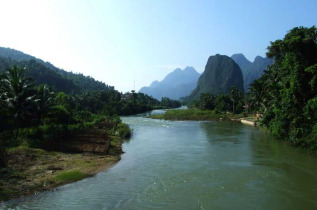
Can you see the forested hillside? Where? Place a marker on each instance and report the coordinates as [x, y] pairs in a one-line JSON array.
[[286, 93], [41, 106], [45, 73]]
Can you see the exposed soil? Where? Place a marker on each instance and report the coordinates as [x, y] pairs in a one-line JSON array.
[[33, 170]]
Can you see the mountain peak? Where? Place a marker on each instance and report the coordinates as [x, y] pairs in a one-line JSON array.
[[251, 70], [238, 55], [189, 68], [258, 58], [175, 85], [154, 83], [221, 72], [241, 60], [176, 70]]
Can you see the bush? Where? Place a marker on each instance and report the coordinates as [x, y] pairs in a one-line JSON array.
[[124, 131]]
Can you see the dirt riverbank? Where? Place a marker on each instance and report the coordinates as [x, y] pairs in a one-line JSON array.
[[33, 170]]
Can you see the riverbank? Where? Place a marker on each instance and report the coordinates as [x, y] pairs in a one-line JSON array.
[[191, 114], [249, 121], [170, 171], [32, 170], [203, 115]]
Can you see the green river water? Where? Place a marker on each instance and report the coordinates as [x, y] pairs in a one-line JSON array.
[[192, 165]]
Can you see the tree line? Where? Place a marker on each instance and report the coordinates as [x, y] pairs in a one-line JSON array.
[[36, 114], [285, 95], [233, 102]]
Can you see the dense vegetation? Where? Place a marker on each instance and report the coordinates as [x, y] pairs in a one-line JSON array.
[[232, 102], [190, 114], [210, 107], [38, 116], [45, 73], [66, 82], [287, 92]]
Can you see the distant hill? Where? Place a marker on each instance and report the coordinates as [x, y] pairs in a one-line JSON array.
[[175, 85], [221, 72], [46, 73], [251, 71]]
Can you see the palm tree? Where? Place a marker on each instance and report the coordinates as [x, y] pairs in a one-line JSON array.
[[44, 101], [256, 94], [235, 95], [17, 96]]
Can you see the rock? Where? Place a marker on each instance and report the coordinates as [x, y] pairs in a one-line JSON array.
[[221, 72]]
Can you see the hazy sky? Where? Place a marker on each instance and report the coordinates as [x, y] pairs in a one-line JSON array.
[[119, 41]]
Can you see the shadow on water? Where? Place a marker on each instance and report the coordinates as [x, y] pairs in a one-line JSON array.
[[229, 132], [287, 171], [282, 176]]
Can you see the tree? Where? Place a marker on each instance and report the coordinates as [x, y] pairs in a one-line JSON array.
[[235, 96], [223, 103], [207, 101], [287, 91], [17, 95], [44, 101]]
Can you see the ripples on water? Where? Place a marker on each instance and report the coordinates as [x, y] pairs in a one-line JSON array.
[[193, 165]]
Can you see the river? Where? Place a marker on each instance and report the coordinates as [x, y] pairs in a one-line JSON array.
[[192, 165]]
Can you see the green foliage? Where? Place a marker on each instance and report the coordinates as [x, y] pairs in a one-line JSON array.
[[16, 95], [221, 102], [43, 118], [69, 176], [169, 103], [190, 114], [207, 101], [44, 101], [286, 93], [41, 74], [83, 116], [59, 114], [46, 73], [236, 97], [124, 131]]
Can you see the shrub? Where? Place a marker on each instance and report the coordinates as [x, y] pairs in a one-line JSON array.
[[123, 131]]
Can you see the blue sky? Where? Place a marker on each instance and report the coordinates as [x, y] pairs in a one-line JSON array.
[[119, 41]]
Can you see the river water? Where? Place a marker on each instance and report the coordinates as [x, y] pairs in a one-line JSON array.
[[192, 165]]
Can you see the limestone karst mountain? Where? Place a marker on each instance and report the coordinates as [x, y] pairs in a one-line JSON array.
[[221, 72], [175, 85], [251, 70]]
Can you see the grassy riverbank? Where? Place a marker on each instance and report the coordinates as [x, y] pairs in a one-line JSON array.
[[30, 170], [192, 114]]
